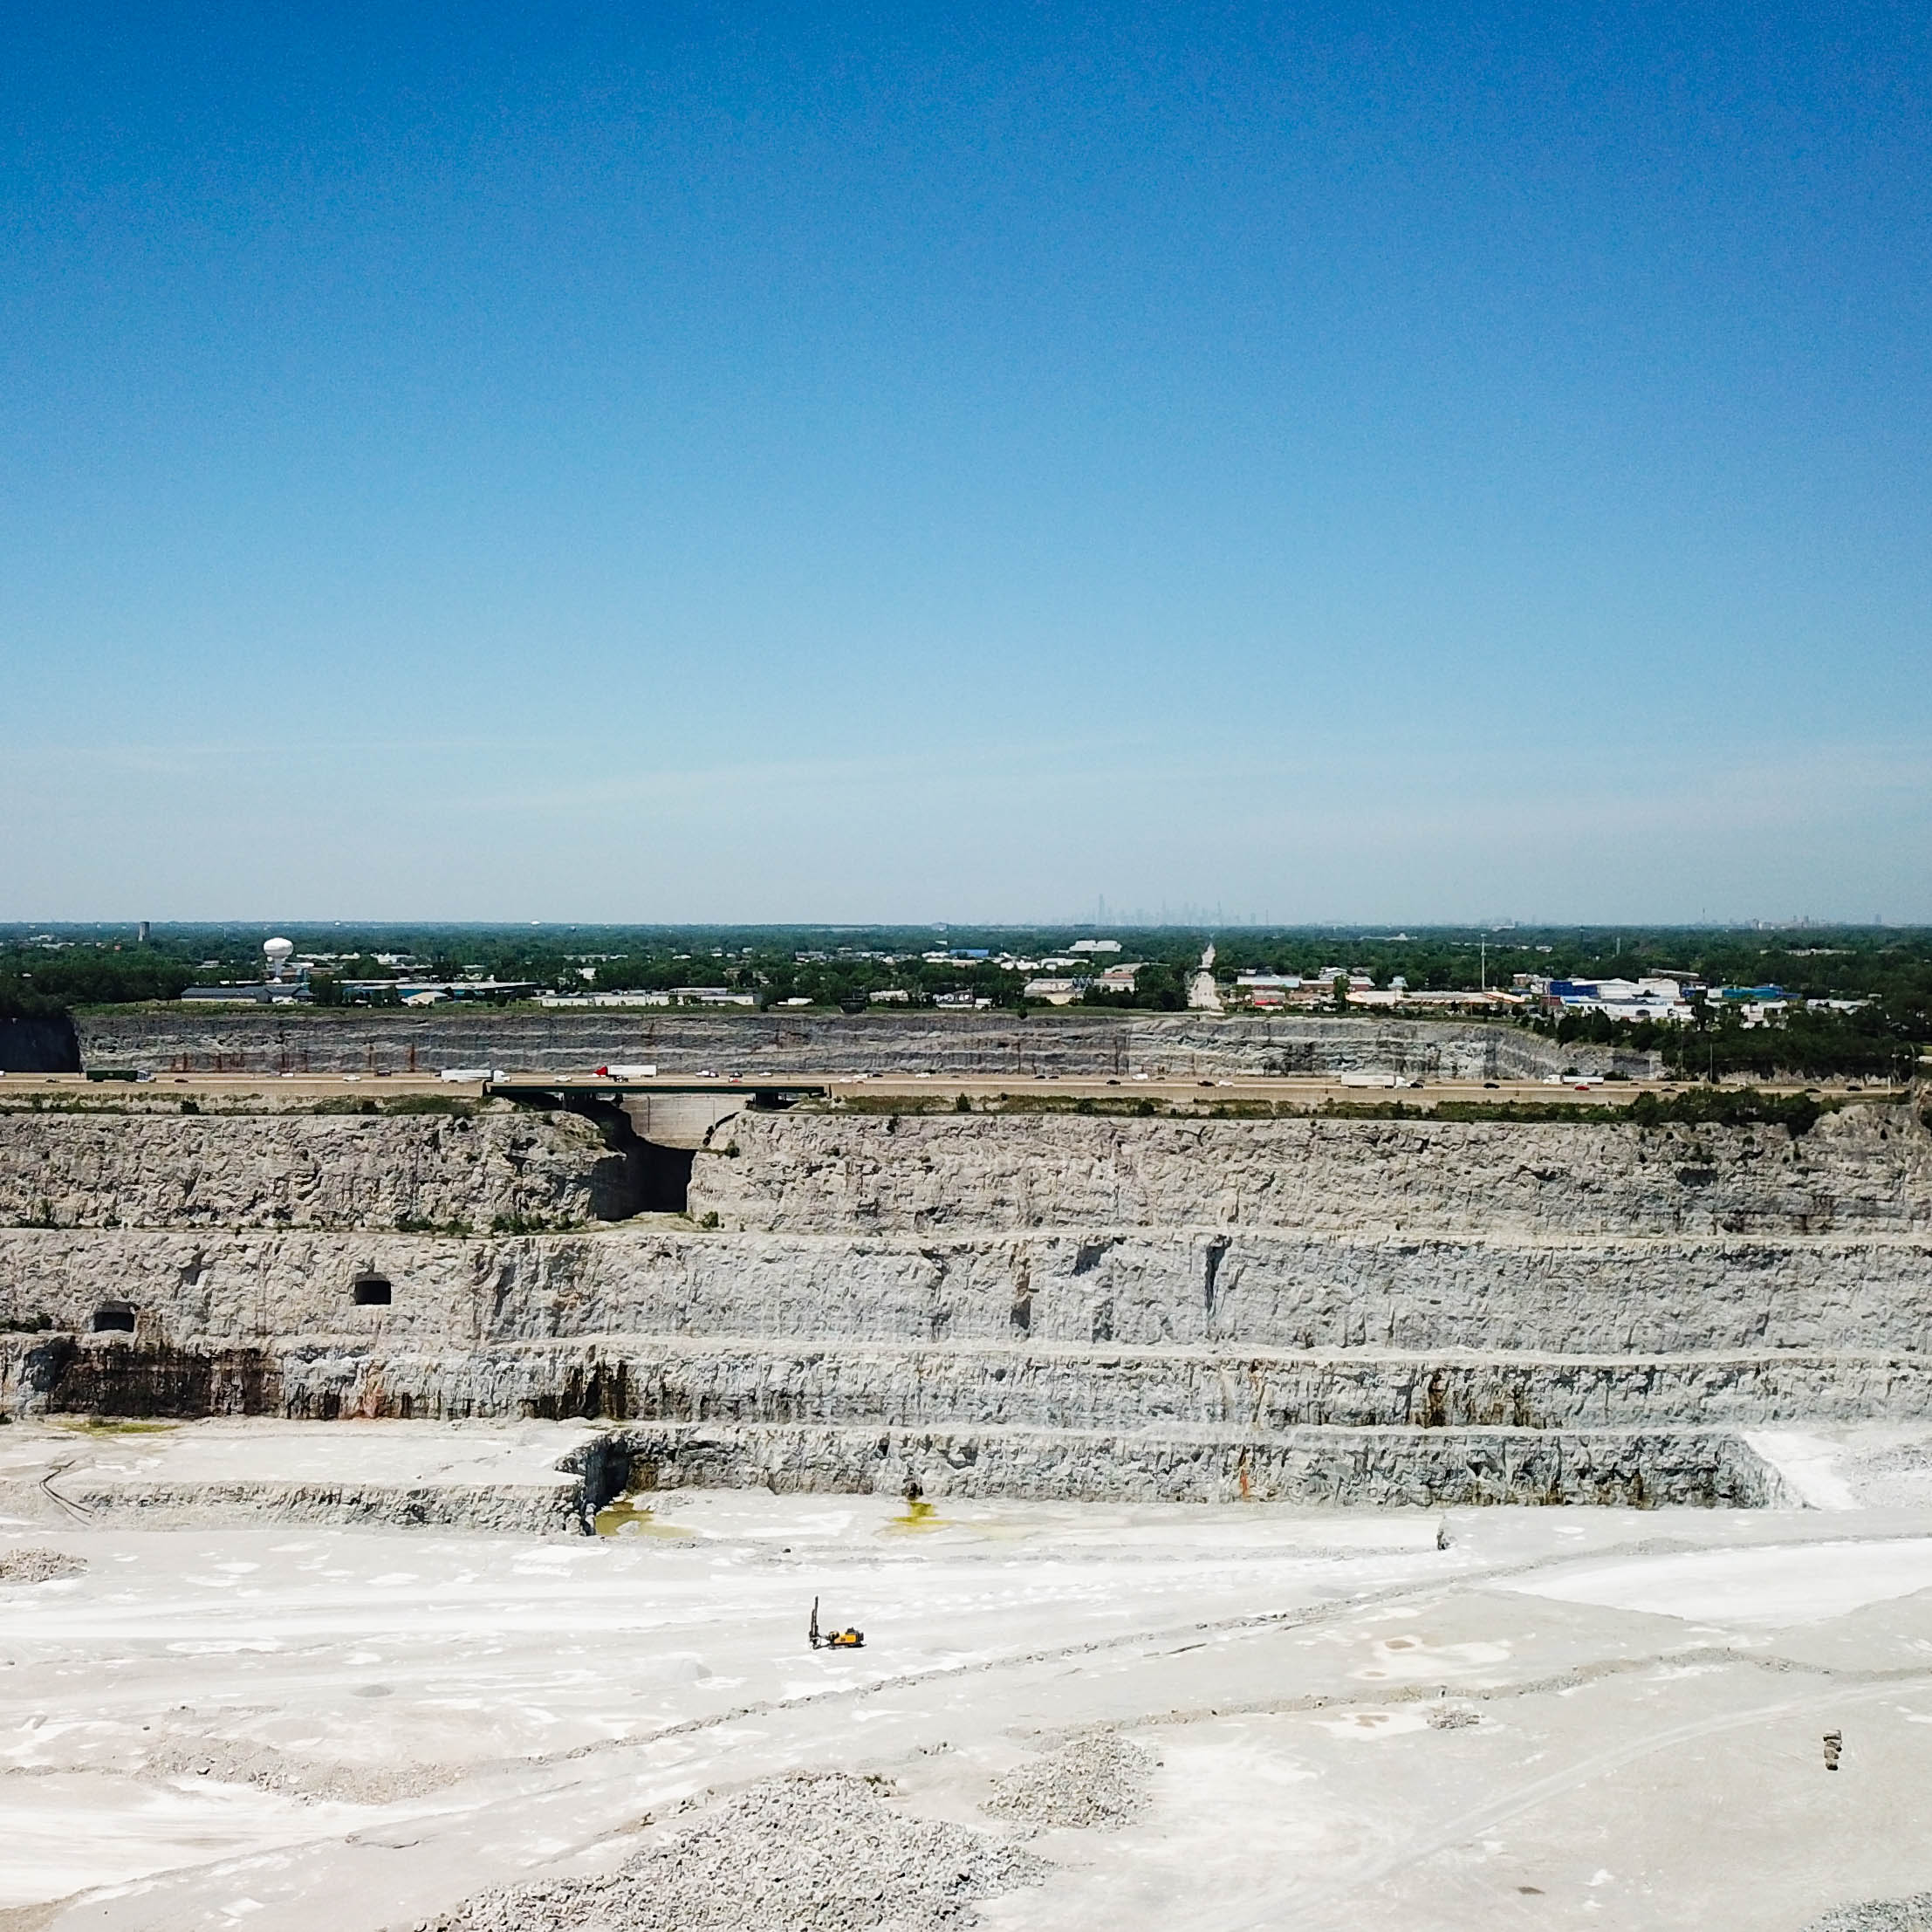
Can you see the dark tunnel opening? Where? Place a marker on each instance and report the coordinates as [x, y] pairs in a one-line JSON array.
[[643, 1178]]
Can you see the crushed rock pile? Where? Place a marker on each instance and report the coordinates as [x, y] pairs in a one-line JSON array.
[[224, 1761], [1096, 1781], [269, 1769], [1909, 1914], [38, 1566], [819, 1850]]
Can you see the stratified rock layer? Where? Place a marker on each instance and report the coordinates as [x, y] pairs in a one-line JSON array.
[[1866, 1169], [1414, 1310], [288, 1040], [304, 1170]]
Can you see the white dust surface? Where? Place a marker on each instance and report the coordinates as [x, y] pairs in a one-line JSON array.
[[1775, 1588], [64, 1830], [324, 1728], [1809, 1464], [364, 1452]]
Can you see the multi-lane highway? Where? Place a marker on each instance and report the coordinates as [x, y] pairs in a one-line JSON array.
[[1167, 1089]]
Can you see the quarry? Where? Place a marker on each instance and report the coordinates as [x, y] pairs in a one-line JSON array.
[[1469, 1499]]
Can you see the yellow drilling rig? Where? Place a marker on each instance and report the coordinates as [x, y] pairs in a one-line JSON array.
[[833, 1640]]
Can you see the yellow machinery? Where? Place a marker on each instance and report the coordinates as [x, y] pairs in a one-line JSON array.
[[833, 1640]]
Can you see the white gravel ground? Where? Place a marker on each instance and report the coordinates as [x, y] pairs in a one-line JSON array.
[[826, 1852], [32, 1566], [1198, 1720]]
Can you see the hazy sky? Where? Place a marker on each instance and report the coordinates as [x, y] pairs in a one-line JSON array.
[[650, 462]]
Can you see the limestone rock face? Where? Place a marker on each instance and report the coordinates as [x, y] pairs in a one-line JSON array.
[[1419, 1468], [1152, 1288], [1864, 1170], [723, 1383], [156, 1170], [1367, 1309], [281, 1040]]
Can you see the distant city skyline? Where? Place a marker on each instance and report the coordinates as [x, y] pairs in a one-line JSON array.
[[1177, 919], [737, 464]]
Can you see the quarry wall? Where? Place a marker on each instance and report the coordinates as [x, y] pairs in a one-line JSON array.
[[1045, 1304], [703, 1380], [1273, 1288], [1865, 1167], [1429, 1470], [200, 1038], [156, 1170]]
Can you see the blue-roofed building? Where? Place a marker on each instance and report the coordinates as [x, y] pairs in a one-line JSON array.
[[1651, 998]]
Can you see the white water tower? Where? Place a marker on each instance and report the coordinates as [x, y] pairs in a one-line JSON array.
[[278, 952]]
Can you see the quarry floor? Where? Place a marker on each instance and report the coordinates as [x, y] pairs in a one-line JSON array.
[[292, 1724]]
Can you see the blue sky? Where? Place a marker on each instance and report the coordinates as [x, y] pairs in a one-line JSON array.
[[837, 462]]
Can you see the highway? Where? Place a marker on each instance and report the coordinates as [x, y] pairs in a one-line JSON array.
[[1289, 1092]]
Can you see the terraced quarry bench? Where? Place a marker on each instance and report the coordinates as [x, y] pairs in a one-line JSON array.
[[1314, 1308]]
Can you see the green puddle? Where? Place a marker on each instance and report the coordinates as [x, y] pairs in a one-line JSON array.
[[632, 1515], [110, 1425], [629, 1516], [921, 1517], [918, 1518]]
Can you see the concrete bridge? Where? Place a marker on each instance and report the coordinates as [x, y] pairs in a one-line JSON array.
[[666, 1112]]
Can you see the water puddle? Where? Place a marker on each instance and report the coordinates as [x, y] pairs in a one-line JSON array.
[[918, 1518], [628, 1514], [112, 1425]]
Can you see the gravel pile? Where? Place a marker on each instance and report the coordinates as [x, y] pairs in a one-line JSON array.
[[1099, 1780], [1452, 1718], [820, 1851], [38, 1566], [274, 1770], [1912, 1914]]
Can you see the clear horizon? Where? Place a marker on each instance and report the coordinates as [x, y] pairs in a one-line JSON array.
[[1379, 930], [785, 467]]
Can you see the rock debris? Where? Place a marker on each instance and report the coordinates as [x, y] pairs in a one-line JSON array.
[[1906, 1915], [823, 1852], [270, 1769], [38, 1566], [1093, 1782]]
